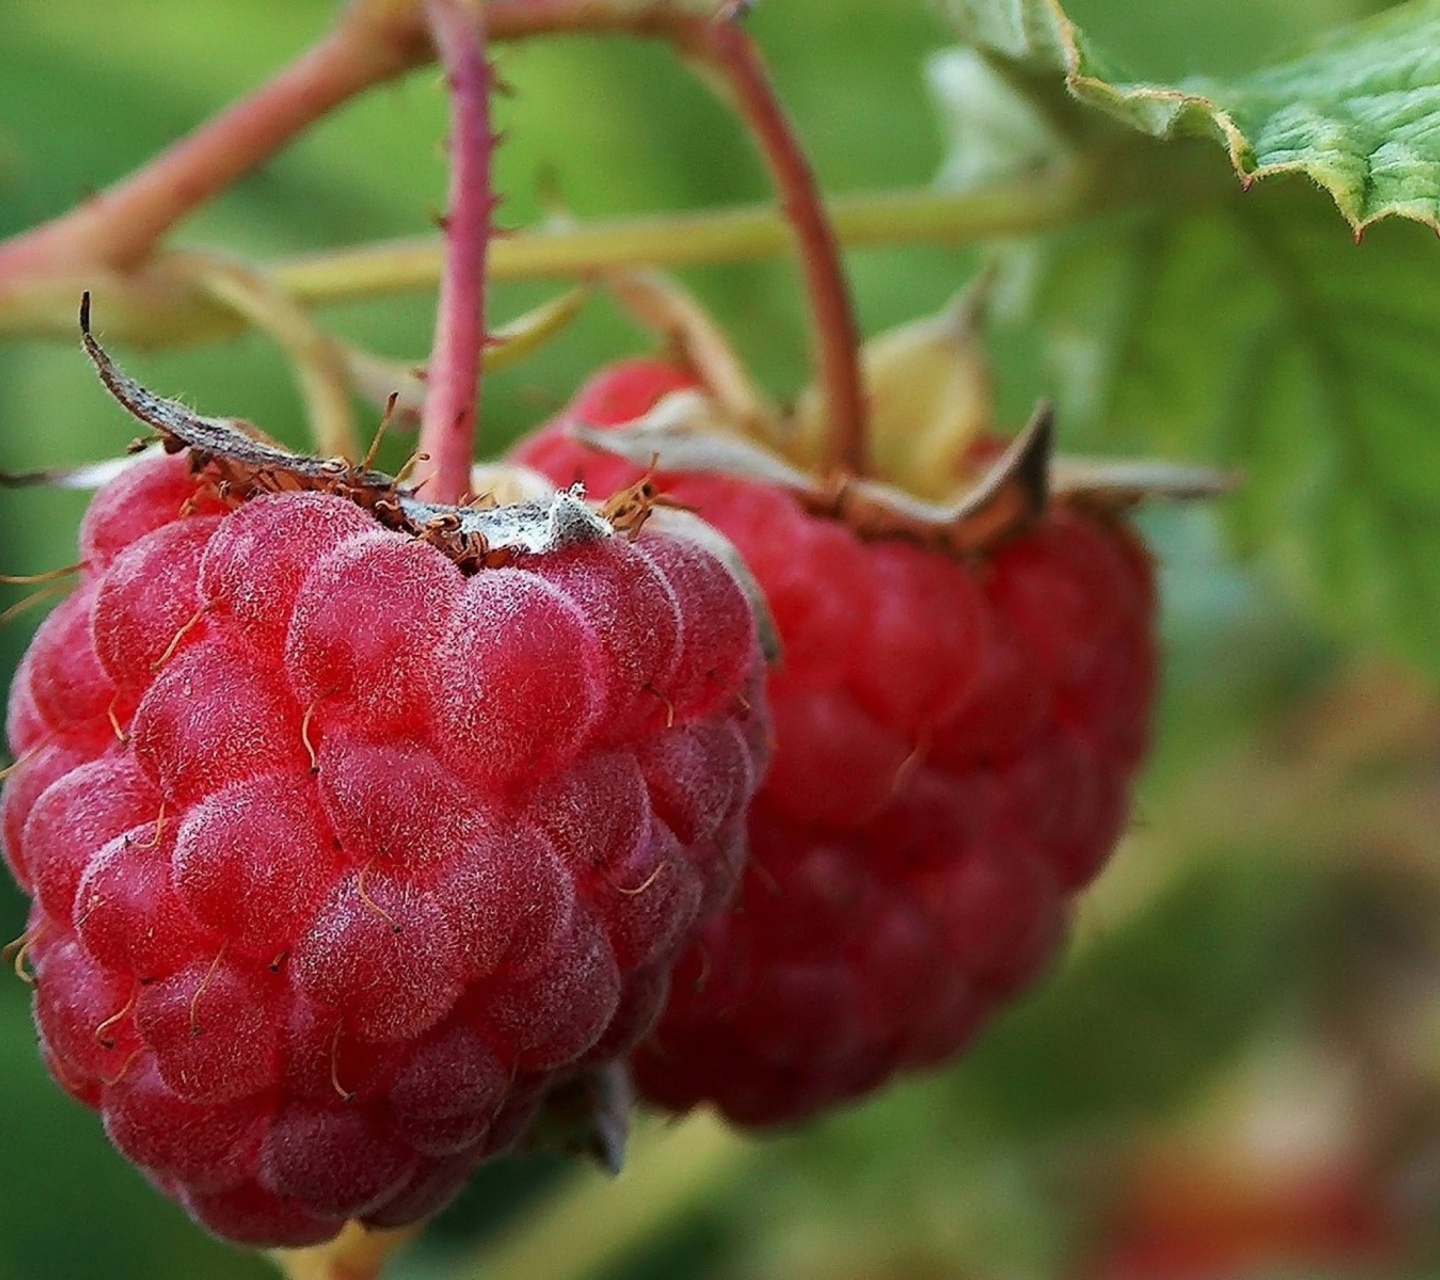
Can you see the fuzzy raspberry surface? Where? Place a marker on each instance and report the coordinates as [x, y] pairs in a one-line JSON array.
[[956, 743], [385, 850]]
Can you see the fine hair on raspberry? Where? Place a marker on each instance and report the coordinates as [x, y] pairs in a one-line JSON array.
[[341, 857]]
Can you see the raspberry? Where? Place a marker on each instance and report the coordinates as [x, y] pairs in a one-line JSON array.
[[955, 746], [341, 856]]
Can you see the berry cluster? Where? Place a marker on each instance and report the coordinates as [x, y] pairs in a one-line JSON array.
[[340, 857], [956, 741]]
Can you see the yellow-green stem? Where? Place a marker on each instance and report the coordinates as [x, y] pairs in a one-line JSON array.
[[355, 1254], [159, 305], [1018, 207], [596, 1221]]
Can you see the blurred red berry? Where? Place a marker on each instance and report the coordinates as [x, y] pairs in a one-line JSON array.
[[956, 742]]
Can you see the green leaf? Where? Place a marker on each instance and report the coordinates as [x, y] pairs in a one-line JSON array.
[[1247, 327], [1359, 113]]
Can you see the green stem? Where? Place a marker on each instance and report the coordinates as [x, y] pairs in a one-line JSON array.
[[1014, 208], [588, 1227], [158, 306]]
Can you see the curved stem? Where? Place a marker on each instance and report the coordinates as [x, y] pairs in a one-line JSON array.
[[724, 47], [447, 424], [121, 224]]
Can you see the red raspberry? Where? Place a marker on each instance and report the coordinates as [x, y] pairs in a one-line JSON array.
[[385, 850], [956, 743]]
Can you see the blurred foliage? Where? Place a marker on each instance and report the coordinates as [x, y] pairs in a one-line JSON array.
[[1239, 324], [1290, 815]]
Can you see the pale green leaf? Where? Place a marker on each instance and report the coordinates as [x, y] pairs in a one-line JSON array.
[[1246, 327], [1359, 113]]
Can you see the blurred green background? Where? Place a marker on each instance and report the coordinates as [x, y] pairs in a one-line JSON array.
[[1259, 950]]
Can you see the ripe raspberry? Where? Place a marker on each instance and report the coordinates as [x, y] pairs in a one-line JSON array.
[[384, 851], [955, 746]]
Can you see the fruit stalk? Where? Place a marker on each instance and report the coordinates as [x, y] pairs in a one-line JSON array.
[[447, 426], [723, 47], [355, 1254], [119, 226], [593, 1223]]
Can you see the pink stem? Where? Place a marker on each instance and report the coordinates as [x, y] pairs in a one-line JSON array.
[[727, 48], [522, 19], [447, 424], [120, 225]]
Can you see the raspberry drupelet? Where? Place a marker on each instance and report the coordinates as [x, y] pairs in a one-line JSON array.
[[956, 743], [341, 856]]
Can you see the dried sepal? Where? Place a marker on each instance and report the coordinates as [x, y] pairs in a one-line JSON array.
[[1010, 496], [1114, 483], [680, 435], [237, 447], [491, 534], [88, 475], [588, 1116], [242, 463], [686, 432]]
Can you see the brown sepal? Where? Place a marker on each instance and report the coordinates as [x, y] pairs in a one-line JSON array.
[[242, 463], [686, 432]]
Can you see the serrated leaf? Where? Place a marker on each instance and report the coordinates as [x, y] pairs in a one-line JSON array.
[[1248, 328], [1359, 113]]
